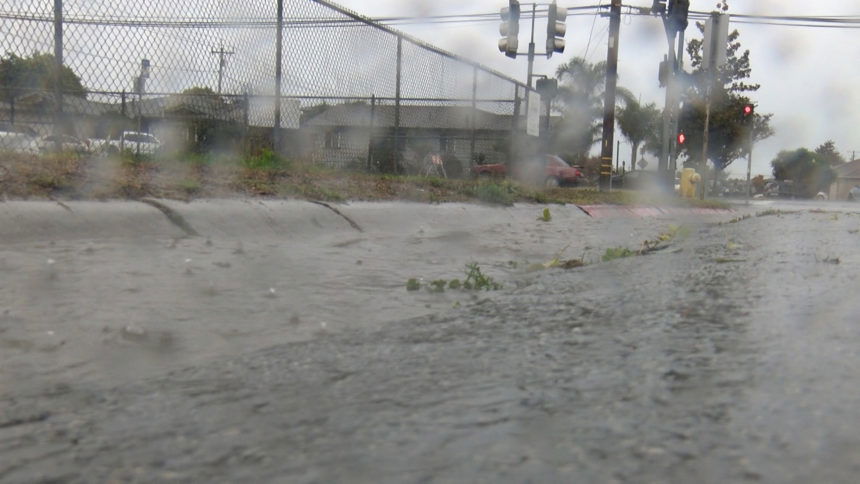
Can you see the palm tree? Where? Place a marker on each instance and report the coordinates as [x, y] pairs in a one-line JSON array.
[[637, 122], [580, 99]]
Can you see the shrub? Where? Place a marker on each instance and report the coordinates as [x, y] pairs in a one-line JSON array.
[[498, 193]]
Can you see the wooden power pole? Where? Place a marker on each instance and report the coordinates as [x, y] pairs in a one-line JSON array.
[[609, 96]]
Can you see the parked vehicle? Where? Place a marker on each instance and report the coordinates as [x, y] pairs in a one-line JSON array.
[[68, 143], [134, 141], [780, 189], [854, 194], [18, 139], [555, 171]]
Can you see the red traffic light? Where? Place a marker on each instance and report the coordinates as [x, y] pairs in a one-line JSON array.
[[748, 109], [681, 138]]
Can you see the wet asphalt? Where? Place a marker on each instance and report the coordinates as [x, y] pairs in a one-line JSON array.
[[730, 355]]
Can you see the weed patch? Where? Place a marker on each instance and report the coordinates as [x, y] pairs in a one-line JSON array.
[[613, 253], [475, 280], [545, 216], [501, 193]]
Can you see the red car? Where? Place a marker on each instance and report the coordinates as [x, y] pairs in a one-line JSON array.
[[556, 172]]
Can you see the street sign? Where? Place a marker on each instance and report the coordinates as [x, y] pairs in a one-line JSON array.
[[533, 115]]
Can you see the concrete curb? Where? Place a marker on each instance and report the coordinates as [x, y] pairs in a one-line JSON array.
[[23, 221]]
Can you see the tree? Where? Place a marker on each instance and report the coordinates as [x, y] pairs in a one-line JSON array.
[[758, 183], [728, 133], [20, 75], [810, 171], [637, 122], [580, 100], [201, 91], [827, 153]]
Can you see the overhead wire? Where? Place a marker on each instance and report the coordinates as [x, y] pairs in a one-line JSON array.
[[821, 21]]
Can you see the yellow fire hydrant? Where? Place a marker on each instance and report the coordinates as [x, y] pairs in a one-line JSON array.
[[689, 179]]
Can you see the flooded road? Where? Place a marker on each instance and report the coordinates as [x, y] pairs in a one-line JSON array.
[[728, 356]]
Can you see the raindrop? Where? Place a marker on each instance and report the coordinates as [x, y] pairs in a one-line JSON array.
[[133, 330]]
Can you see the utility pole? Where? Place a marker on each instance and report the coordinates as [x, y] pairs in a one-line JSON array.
[[609, 99], [674, 22], [716, 35], [222, 63]]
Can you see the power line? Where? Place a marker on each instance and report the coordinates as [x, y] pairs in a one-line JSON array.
[[821, 21], [590, 34]]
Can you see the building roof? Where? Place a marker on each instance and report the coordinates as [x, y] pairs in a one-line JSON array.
[[848, 170], [417, 117], [193, 106]]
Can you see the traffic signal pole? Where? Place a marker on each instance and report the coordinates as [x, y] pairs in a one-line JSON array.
[[676, 107], [609, 99], [531, 50], [668, 112], [749, 165]]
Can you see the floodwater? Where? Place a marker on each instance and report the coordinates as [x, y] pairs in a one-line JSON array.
[[728, 356], [114, 290]]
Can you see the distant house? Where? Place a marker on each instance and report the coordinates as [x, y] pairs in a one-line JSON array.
[[35, 110], [205, 122], [183, 121], [343, 135], [847, 177]]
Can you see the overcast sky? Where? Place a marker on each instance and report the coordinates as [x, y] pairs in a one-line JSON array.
[[810, 77]]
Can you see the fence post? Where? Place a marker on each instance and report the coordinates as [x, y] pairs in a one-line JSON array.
[[246, 122], [58, 71], [279, 45], [514, 140], [474, 114], [396, 150], [370, 134]]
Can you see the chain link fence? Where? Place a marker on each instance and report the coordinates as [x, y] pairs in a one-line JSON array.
[[205, 75]]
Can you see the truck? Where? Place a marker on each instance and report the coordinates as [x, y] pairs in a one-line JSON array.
[[133, 141]]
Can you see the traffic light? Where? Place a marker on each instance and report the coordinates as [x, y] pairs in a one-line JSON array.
[[555, 29], [677, 14], [682, 138], [658, 7], [747, 112], [510, 29], [547, 88]]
